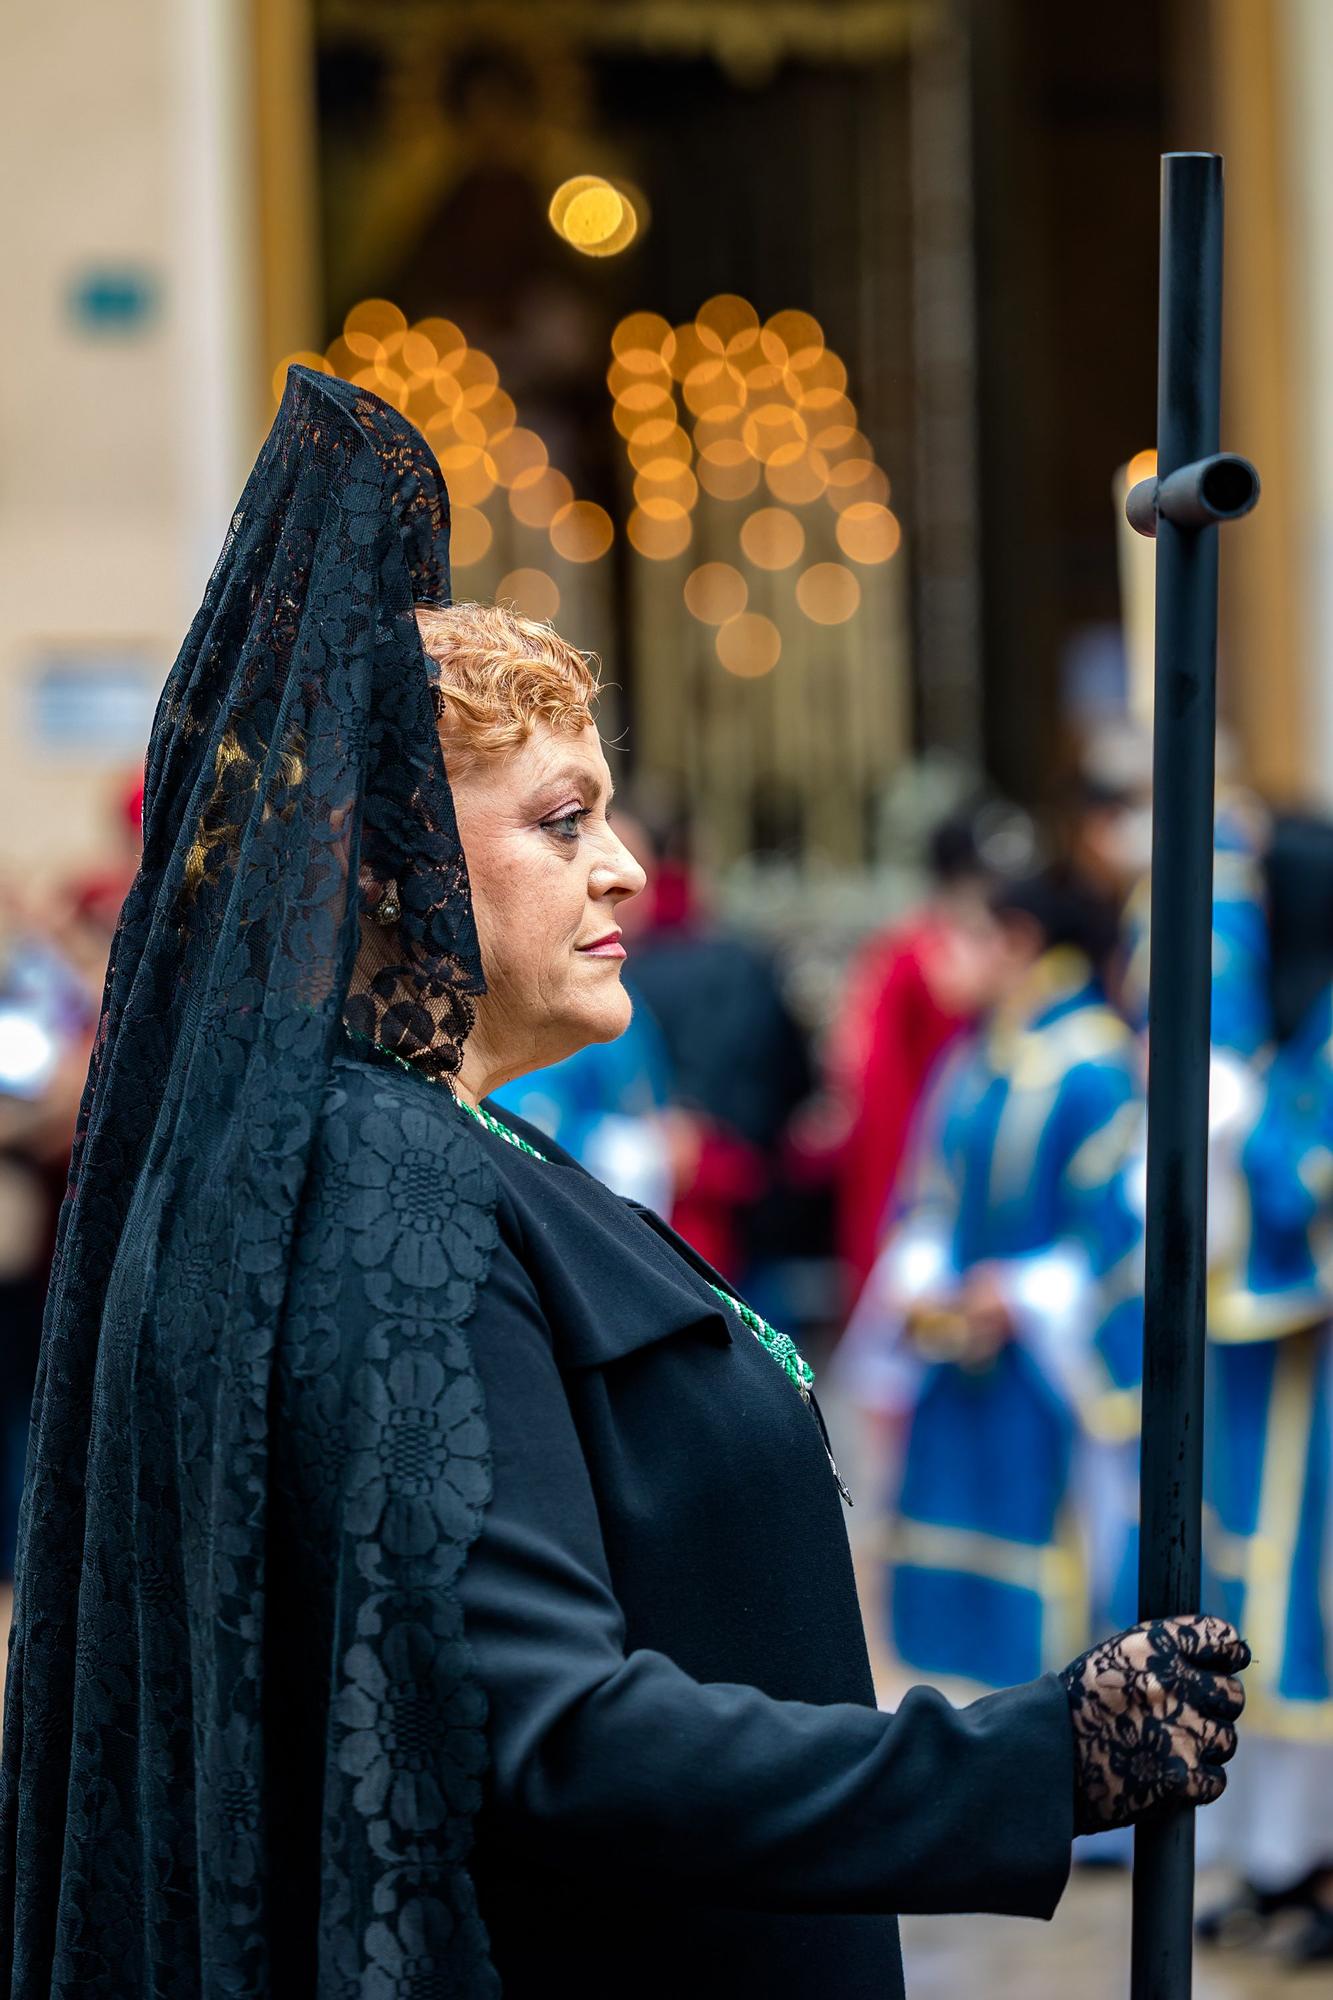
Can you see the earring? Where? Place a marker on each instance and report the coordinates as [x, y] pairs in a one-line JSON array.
[[388, 910]]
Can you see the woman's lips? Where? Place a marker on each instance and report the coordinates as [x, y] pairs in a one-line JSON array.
[[607, 947]]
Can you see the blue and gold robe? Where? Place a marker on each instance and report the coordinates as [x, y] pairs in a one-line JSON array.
[[1241, 1012], [1028, 1151], [1269, 1539]]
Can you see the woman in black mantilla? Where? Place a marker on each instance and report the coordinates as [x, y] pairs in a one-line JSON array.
[[432, 1581]]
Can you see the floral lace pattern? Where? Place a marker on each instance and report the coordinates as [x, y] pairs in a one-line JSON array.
[[381, 1477], [294, 760], [1154, 1712]]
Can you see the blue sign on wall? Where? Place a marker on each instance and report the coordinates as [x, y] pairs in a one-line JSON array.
[[114, 299], [95, 705]]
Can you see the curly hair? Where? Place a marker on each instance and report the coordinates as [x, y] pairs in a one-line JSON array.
[[499, 676]]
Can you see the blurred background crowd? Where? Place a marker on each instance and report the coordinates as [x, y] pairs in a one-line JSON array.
[[796, 358]]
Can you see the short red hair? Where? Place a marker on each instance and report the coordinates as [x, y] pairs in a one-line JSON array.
[[499, 676]]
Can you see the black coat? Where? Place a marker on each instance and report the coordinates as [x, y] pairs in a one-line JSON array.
[[690, 1788]]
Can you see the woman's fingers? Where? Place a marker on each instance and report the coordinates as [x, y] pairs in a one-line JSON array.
[[1206, 1743], [1221, 1696], [1210, 1642], [1208, 1783]]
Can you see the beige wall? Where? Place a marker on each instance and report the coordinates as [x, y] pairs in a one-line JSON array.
[[123, 133]]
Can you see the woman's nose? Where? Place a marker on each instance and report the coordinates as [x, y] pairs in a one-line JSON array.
[[619, 875]]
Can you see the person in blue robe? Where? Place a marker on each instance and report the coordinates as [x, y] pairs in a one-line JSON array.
[[1004, 1318], [1269, 1488], [1242, 1022], [604, 1105]]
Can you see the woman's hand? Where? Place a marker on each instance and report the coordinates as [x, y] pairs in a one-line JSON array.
[[1155, 1713]]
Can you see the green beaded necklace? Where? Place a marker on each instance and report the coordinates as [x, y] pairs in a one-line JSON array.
[[780, 1345]]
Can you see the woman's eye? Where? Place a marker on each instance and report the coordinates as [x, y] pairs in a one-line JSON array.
[[567, 825]]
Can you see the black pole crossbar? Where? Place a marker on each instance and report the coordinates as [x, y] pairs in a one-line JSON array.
[[1196, 488]]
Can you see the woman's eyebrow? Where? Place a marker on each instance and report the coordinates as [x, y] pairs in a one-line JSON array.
[[577, 775]]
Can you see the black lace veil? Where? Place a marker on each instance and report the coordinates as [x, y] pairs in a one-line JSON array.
[[294, 774]]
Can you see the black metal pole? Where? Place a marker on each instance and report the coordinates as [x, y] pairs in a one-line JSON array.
[[1184, 720]]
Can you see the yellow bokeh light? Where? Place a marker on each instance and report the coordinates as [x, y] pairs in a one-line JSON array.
[[725, 450], [519, 451], [639, 365], [658, 438], [658, 536], [728, 478], [839, 440], [796, 480], [303, 358], [446, 392], [855, 479], [715, 592], [771, 538], [661, 507], [868, 532], [688, 345], [417, 354], [1143, 465], [666, 479], [774, 431], [714, 388], [755, 347], [820, 369], [749, 645], [536, 497], [593, 215], [724, 316], [498, 414], [827, 413], [476, 375], [467, 425], [567, 192], [627, 419], [641, 332], [341, 359], [717, 424], [646, 393], [633, 215], [801, 335], [767, 383], [581, 532], [469, 536], [531, 592], [828, 593], [372, 325], [469, 473], [448, 340]]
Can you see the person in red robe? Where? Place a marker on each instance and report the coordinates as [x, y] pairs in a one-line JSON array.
[[911, 990]]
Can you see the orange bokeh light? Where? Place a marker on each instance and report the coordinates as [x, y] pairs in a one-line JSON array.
[[581, 531], [749, 645], [868, 532], [536, 497], [715, 592], [532, 593], [469, 536], [659, 536], [828, 593], [771, 538]]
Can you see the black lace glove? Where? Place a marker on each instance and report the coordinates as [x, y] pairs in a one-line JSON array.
[[1155, 1714]]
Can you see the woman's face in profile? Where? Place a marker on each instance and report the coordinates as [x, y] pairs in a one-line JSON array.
[[548, 875]]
